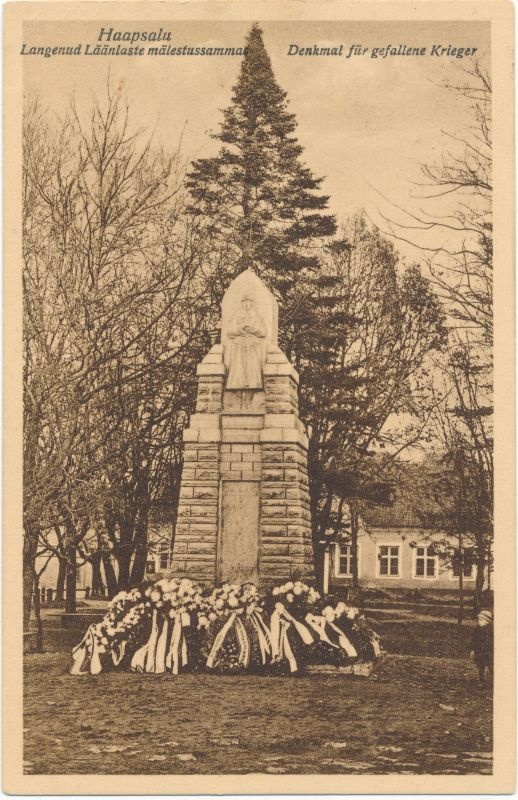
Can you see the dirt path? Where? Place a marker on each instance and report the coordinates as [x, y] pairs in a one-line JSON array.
[[418, 715]]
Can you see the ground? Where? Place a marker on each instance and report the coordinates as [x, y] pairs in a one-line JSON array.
[[424, 712]]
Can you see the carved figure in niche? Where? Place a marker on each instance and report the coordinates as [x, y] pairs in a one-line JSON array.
[[245, 349]]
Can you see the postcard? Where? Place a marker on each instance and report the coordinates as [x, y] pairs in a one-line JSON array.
[[258, 397]]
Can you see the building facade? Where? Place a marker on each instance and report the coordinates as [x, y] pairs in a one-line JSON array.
[[396, 551], [158, 563]]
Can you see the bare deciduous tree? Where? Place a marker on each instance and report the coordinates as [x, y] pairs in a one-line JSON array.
[[115, 311]]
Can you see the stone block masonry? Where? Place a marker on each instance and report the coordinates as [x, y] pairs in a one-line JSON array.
[[258, 530], [268, 448]]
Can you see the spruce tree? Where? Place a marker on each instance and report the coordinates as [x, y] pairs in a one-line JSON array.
[[343, 314], [259, 197]]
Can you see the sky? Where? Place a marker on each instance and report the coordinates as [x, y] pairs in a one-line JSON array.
[[366, 124]]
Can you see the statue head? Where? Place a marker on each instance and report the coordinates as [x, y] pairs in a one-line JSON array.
[[249, 295], [247, 302]]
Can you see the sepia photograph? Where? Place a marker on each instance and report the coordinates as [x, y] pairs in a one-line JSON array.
[[257, 395]]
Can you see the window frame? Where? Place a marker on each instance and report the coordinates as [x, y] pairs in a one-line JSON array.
[[435, 558], [337, 573], [471, 577], [399, 576], [164, 551]]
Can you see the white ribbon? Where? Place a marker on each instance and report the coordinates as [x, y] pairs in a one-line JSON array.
[[173, 659], [375, 640], [220, 638], [150, 662], [280, 621], [161, 648], [184, 651], [345, 643], [318, 624], [117, 657], [285, 648], [86, 656], [166, 649], [279, 613], [81, 655], [275, 631], [244, 644], [263, 635], [144, 658], [242, 640]]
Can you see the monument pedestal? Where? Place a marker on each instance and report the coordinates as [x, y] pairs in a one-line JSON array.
[[244, 501]]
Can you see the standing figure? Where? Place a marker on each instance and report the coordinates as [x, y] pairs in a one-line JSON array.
[[482, 644], [245, 350]]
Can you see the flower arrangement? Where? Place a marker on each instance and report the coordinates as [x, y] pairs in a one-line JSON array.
[[124, 624], [333, 644], [175, 606], [367, 641], [296, 595], [173, 597], [234, 637], [175, 624], [289, 606], [123, 627], [348, 622]]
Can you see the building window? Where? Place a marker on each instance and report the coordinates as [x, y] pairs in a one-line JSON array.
[[388, 559], [468, 564], [425, 563], [344, 560], [150, 567], [164, 556]]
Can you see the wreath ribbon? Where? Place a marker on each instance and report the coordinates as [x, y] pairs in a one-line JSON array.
[[319, 624], [86, 656], [176, 657], [166, 648], [242, 640], [345, 642], [263, 635], [280, 622]]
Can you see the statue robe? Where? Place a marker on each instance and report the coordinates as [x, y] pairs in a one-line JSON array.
[[245, 350]]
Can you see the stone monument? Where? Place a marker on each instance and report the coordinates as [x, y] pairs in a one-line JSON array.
[[244, 502]]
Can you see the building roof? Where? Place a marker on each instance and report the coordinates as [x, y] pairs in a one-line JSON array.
[[402, 513]]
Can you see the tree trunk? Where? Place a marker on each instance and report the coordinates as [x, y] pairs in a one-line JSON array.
[[70, 579], [318, 558], [38, 647], [318, 553], [480, 577], [325, 577], [96, 574], [176, 482], [138, 569], [354, 545], [489, 565], [28, 582], [60, 584], [124, 561], [318, 519], [460, 616], [30, 543], [28, 589], [109, 574]]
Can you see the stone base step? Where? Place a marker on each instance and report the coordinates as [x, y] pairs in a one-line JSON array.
[[364, 669]]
